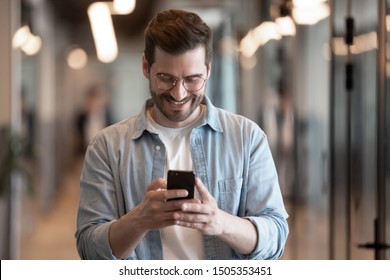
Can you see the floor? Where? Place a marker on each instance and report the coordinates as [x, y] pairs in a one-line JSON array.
[[51, 236]]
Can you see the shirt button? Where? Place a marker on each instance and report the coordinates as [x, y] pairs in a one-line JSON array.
[[158, 148]]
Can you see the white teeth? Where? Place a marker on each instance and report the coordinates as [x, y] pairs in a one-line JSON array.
[[177, 102]]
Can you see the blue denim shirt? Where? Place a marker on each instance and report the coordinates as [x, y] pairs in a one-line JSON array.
[[230, 155]]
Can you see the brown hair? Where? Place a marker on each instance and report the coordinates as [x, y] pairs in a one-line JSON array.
[[175, 32]]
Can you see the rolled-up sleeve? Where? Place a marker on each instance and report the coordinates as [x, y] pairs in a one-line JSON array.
[[264, 203]]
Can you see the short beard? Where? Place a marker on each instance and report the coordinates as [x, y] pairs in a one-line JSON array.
[[196, 100]]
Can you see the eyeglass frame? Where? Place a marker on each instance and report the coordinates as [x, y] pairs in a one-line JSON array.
[[175, 81]]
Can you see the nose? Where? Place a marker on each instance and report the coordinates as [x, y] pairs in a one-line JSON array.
[[178, 92]]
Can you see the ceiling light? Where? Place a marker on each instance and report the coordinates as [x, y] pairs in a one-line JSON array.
[[286, 26], [259, 36], [32, 45], [124, 7], [77, 58], [248, 45], [103, 31], [265, 32], [21, 36], [308, 12]]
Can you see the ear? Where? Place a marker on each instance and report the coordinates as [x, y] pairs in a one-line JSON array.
[[208, 70], [145, 67]]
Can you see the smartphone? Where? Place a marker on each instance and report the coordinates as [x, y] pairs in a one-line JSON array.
[[180, 179]]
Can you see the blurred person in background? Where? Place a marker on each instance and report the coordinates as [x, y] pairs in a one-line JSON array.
[[93, 117], [285, 160], [27, 124], [125, 211]]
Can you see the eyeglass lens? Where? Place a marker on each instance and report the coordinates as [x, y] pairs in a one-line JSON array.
[[164, 82]]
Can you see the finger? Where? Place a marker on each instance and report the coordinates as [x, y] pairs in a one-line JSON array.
[[190, 218], [203, 192], [190, 200], [176, 204], [164, 196], [162, 220], [194, 208], [157, 184], [156, 195], [176, 193], [194, 200]]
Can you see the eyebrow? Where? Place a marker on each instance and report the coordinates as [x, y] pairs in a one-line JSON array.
[[198, 75]]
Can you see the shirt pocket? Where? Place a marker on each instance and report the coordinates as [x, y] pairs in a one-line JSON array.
[[230, 195]]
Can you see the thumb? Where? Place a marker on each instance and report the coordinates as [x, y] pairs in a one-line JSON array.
[[202, 190], [157, 185]]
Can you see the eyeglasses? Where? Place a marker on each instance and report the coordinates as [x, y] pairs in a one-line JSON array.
[[167, 82]]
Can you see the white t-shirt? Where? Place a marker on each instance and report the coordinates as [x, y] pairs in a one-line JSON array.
[[179, 242]]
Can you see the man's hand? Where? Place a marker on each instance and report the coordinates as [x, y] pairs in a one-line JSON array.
[[210, 220], [204, 216], [153, 212]]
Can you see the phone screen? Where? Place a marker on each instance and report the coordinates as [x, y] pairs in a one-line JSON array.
[[179, 179]]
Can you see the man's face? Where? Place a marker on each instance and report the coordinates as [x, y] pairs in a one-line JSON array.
[[172, 80]]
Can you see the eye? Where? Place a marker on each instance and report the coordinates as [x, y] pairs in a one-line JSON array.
[[191, 80], [166, 78]]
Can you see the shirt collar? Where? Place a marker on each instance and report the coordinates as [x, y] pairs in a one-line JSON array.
[[211, 119]]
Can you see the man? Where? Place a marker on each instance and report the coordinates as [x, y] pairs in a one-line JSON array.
[[125, 211]]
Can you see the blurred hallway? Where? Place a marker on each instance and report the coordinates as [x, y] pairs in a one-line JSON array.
[[50, 236], [323, 103]]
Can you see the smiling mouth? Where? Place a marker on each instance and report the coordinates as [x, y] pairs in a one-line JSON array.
[[172, 101]]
